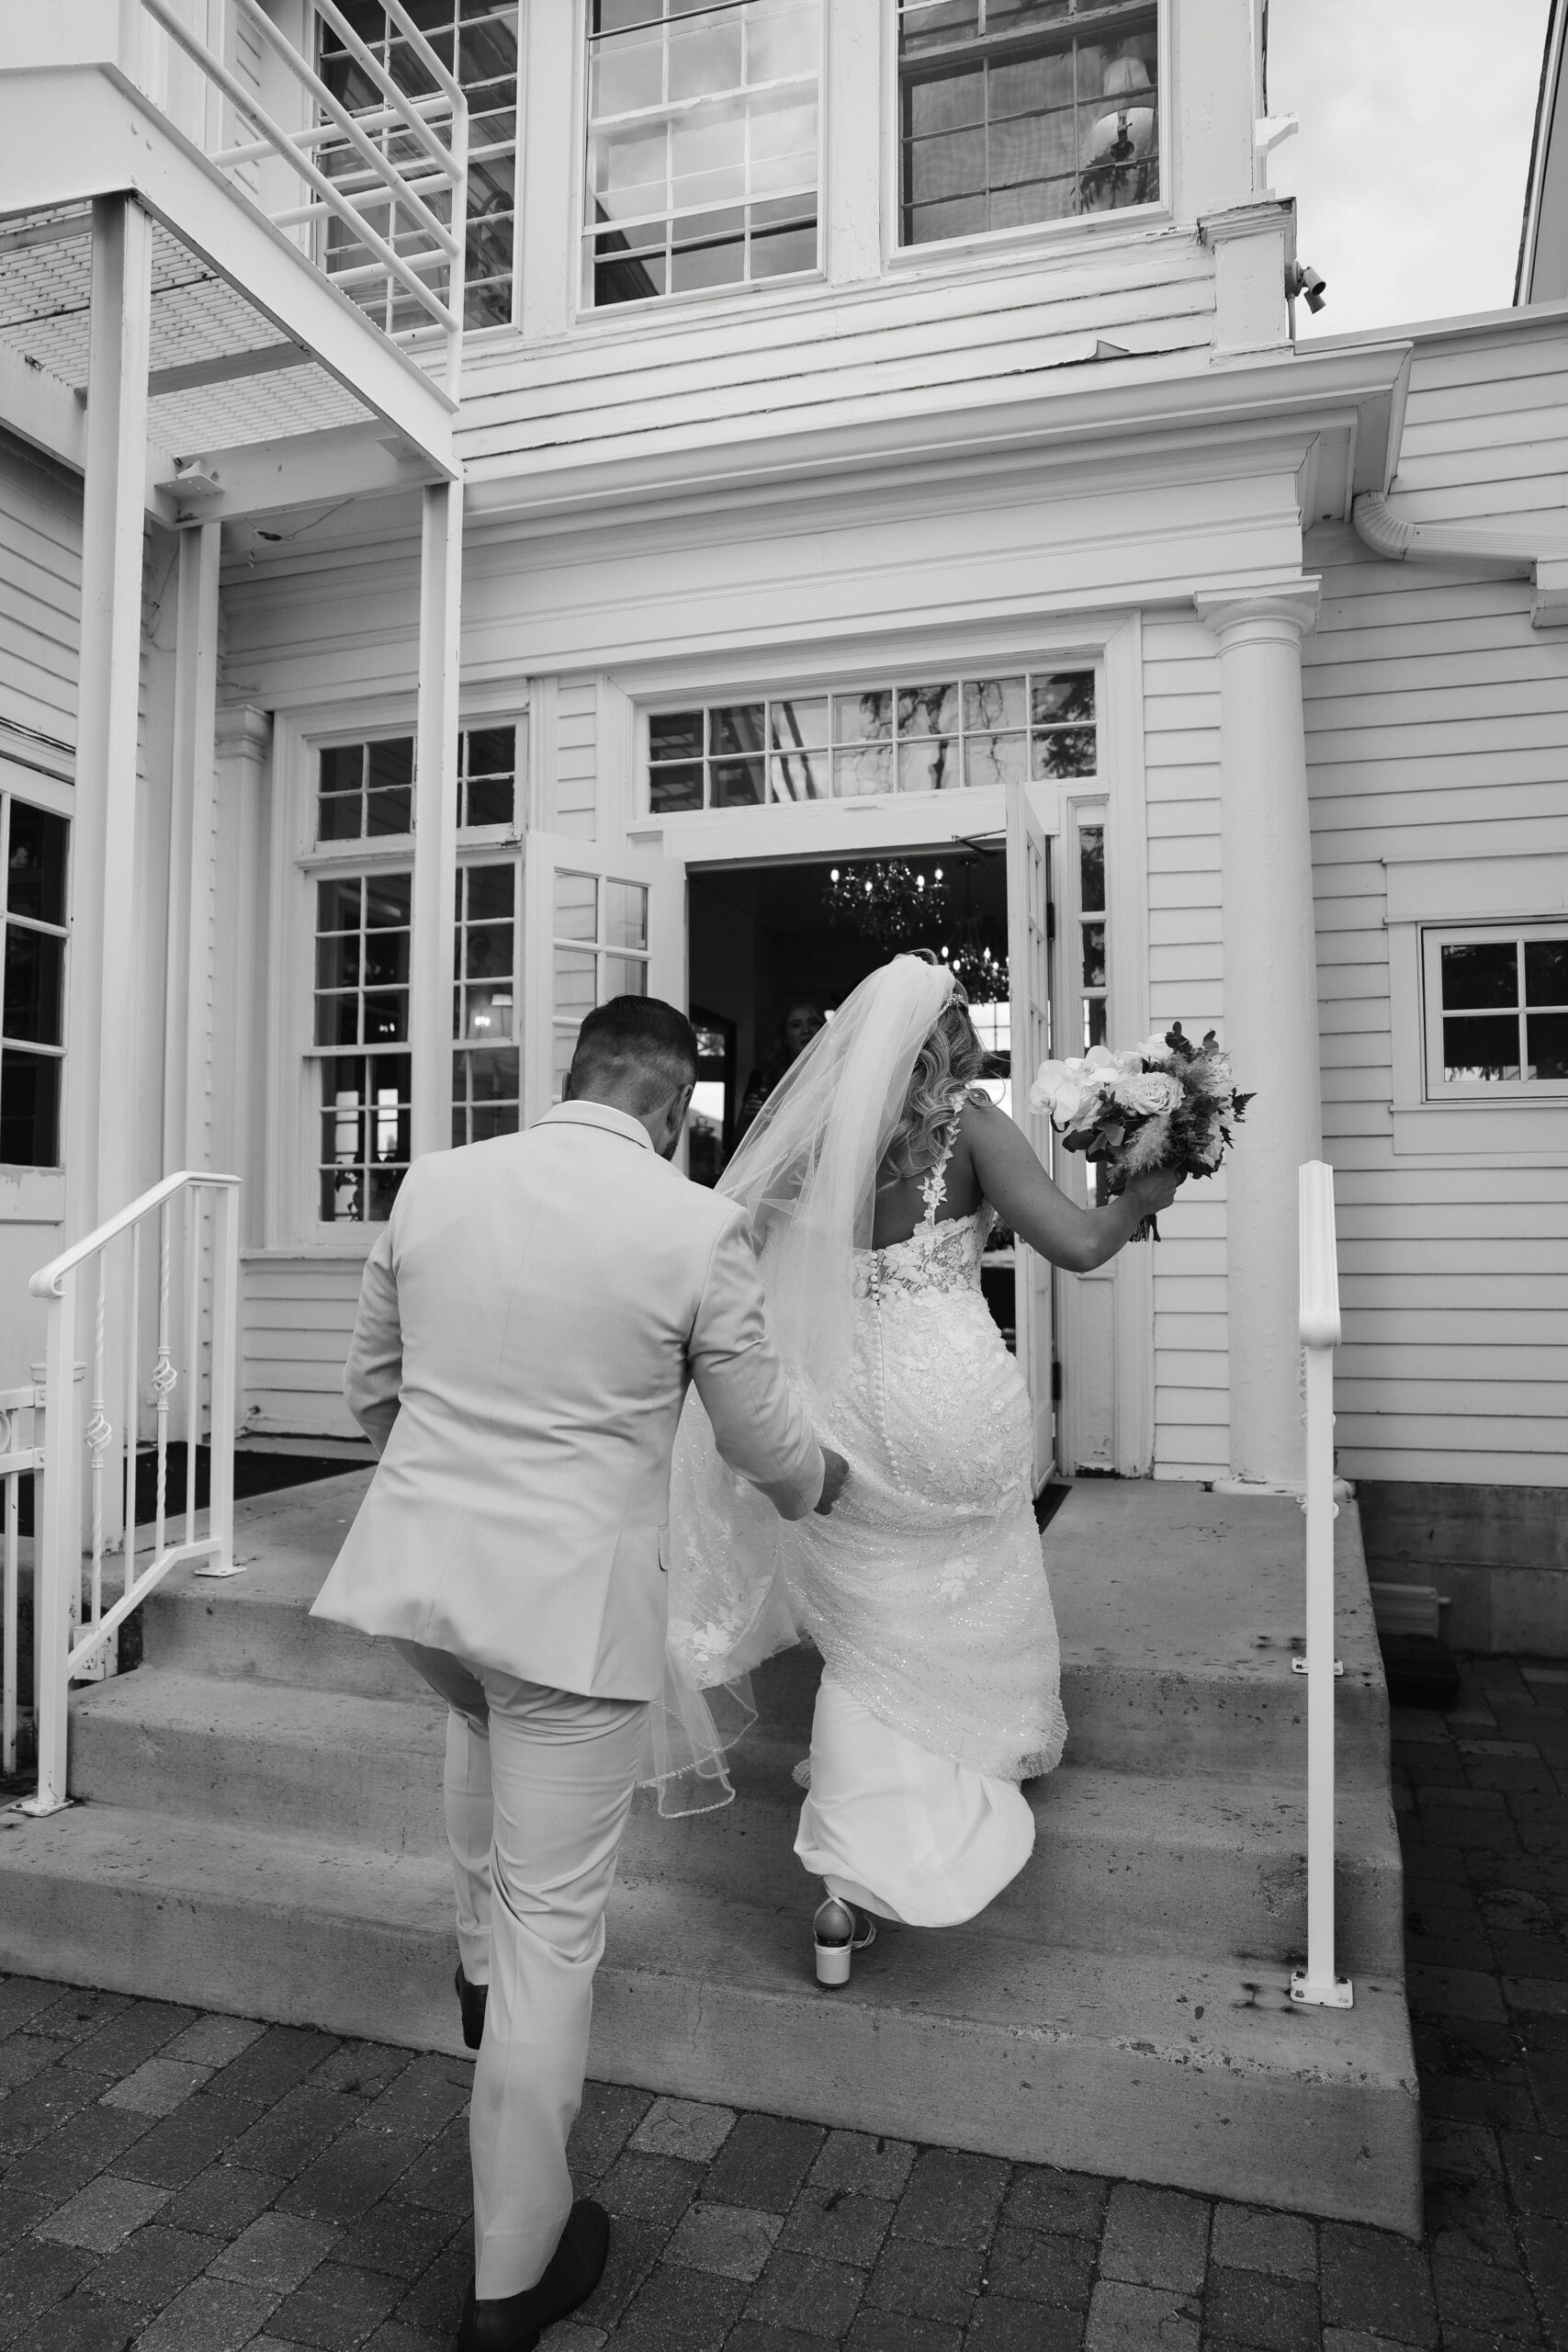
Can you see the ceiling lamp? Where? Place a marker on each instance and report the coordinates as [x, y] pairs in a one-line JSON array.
[[889, 901]]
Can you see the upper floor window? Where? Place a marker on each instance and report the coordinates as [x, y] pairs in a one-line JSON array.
[[1014, 111], [1496, 998], [877, 740], [365, 790], [32, 994], [477, 43], [701, 145]]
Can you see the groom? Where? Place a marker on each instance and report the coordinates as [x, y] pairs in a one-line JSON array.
[[528, 1323]]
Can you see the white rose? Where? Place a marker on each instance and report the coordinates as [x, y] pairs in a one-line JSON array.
[[1155, 1049], [1147, 1096]]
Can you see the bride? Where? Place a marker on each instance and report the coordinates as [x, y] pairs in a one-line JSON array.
[[872, 1178]]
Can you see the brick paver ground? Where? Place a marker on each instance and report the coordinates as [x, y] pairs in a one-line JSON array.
[[190, 2183]]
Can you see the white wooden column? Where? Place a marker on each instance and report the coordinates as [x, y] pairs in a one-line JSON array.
[[435, 816], [1271, 996], [188, 1027], [100, 1073]]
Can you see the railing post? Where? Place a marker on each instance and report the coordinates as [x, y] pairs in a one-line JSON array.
[[225, 1341], [1318, 1984], [57, 1553]]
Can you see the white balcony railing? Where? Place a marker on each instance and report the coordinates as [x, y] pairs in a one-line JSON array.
[[150, 1299], [377, 196], [1318, 1984]]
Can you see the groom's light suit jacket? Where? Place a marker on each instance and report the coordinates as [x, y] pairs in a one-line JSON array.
[[529, 1320]]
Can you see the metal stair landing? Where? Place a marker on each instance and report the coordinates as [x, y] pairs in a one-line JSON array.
[[260, 1823]]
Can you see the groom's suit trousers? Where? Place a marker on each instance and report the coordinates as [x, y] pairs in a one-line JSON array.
[[538, 1786]]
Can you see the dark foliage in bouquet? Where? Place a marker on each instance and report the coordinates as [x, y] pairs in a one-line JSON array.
[[1168, 1104]]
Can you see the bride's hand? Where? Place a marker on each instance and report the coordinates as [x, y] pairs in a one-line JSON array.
[[1154, 1191], [835, 1471]]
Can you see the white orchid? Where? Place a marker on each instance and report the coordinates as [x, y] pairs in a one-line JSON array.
[[1063, 1088]]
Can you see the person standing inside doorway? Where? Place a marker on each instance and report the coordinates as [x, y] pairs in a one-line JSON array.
[[796, 1030]]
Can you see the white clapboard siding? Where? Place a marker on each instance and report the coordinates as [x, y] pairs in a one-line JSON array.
[[1181, 751], [1437, 720], [298, 1316], [577, 758], [41, 591]]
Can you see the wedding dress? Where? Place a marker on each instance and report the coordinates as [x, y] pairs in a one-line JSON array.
[[923, 1589]]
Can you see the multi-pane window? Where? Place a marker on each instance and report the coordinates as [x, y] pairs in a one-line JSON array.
[[1013, 111], [32, 992], [599, 951], [877, 740], [701, 145], [486, 1067], [1498, 1009], [1090, 975], [476, 41], [363, 935], [487, 776], [364, 789]]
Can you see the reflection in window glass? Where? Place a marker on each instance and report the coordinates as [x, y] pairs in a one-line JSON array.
[[701, 146], [1504, 1009], [32, 982], [365, 790], [362, 935], [601, 951], [477, 43], [931, 736], [1013, 111]]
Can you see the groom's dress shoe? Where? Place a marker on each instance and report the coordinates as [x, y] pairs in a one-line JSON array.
[[516, 2322], [471, 1999]]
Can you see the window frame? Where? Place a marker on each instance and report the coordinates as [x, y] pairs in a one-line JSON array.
[[40, 790], [943, 252], [586, 311], [291, 1222], [1435, 937]]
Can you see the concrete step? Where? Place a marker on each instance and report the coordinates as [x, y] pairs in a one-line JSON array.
[[1175, 1663], [1192, 2073], [1123, 1859]]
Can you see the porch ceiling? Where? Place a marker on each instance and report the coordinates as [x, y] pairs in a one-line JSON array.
[[222, 376]]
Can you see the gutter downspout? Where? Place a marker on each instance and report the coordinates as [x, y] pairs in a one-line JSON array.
[[1531, 551]]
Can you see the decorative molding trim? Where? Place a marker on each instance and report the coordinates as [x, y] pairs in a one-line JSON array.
[[1236, 615]]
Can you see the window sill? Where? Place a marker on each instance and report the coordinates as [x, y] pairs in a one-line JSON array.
[[1080, 232], [32, 1195], [1484, 1130]]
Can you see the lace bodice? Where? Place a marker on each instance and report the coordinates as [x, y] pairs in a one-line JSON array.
[[936, 1257]]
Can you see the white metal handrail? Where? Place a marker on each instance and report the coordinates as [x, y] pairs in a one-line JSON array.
[[1319, 1983], [186, 1310], [440, 174]]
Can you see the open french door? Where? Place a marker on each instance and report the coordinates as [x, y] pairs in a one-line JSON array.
[[1028, 965], [597, 924]]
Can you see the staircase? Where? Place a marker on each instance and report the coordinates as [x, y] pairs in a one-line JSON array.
[[260, 1832]]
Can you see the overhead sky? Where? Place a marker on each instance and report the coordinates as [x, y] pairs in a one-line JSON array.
[[1408, 170]]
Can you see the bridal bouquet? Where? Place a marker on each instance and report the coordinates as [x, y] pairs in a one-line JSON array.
[[1169, 1103]]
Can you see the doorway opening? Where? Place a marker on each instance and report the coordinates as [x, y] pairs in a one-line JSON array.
[[775, 949]]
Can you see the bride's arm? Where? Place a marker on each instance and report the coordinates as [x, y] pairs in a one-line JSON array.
[[1023, 1196]]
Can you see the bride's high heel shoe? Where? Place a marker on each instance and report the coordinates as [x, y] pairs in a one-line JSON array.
[[839, 1932]]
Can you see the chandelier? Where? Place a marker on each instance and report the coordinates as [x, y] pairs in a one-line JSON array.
[[981, 972], [889, 901]]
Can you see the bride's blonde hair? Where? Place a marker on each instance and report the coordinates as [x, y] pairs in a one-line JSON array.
[[946, 1067]]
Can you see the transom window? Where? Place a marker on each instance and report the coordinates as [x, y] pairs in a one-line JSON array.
[[477, 43], [366, 790], [701, 145], [599, 951], [1013, 111], [877, 740], [33, 844], [1497, 1009]]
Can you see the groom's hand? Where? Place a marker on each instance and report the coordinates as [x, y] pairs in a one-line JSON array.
[[836, 1470]]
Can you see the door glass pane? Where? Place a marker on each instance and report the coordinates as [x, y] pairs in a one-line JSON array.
[[577, 906], [574, 978], [625, 976], [625, 914], [1091, 869], [1480, 973]]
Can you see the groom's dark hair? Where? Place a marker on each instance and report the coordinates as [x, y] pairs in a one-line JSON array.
[[635, 1038]]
